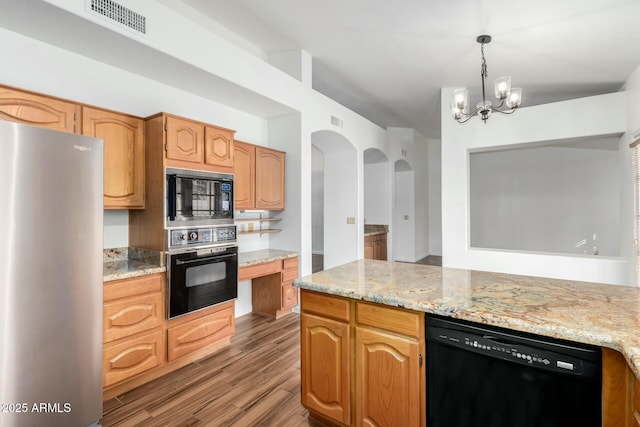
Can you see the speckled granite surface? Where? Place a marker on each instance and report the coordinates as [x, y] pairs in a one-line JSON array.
[[124, 263], [247, 259], [373, 229], [605, 315]]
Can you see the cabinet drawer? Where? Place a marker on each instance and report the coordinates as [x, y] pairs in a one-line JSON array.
[[289, 275], [195, 334], [289, 295], [259, 270], [325, 306], [391, 319], [129, 316], [135, 286], [290, 263], [132, 357]]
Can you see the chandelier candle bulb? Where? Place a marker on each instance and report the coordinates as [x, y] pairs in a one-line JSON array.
[[460, 97], [503, 87], [515, 98]]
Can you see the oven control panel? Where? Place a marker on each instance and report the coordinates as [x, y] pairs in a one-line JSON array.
[[201, 236]]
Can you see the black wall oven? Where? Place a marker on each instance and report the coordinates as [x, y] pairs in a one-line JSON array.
[[202, 268], [198, 198]]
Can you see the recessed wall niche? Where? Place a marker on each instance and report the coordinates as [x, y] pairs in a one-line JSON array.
[[558, 197]]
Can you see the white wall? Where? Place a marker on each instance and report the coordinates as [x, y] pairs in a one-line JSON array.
[[420, 164], [377, 193], [404, 235], [581, 118], [317, 200], [547, 199], [632, 88], [407, 145], [434, 171]]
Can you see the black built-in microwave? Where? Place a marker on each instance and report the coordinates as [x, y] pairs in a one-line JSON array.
[[198, 198]]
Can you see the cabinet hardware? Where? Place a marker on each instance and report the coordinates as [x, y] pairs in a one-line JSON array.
[[420, 360]]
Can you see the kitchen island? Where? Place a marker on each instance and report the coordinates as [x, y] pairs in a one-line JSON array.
[[603, 315]]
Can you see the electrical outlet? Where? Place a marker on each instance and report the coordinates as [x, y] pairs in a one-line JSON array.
[[351, 220], [406, 217]]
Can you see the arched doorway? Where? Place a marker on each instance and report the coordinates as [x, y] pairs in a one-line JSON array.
[[404, 245], [334, 198], [377, 190]]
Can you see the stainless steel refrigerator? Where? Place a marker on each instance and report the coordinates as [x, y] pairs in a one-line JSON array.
[[50, 277]]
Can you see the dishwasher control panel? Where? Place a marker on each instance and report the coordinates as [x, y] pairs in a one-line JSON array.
[[495, 346]]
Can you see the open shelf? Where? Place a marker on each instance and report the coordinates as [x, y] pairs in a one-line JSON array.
[[264, 231], [257, 219], [260, 219]]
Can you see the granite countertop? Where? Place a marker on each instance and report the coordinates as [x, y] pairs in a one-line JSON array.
[[247, 259], [373, 229], [592, 313], [124, 263]]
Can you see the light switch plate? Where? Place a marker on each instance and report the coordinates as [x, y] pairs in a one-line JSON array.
[[351, 220]]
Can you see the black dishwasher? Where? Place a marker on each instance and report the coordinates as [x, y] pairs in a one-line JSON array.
[[486, 376]]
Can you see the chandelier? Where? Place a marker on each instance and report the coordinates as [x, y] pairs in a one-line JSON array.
[[509, 98]]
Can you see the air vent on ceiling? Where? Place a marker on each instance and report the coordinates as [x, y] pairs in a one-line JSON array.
[[336, 121], [120, 14]]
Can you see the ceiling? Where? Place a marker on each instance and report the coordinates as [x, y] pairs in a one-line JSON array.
[[388, 59]]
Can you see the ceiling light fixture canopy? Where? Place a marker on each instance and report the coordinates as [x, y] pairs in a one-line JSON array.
[[509, 98]]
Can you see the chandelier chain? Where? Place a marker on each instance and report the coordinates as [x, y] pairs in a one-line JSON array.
[[483, 72]]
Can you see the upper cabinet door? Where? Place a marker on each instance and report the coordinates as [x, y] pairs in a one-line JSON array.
[[185, 142], [36, 110], [269, 179], [218, 148], [123, 156], [244, 168]]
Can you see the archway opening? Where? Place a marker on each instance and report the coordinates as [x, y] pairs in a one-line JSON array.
[[334, 200]]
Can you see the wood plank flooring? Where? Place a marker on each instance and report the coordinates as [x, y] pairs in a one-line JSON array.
[[253, 382]]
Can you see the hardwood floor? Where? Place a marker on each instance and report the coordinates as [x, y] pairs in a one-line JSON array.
[[431, 260], [253, 382], [317, 262]]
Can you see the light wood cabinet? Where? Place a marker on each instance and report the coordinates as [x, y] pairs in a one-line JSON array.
[[272, 291], [375, 247], [619, 405], [123, 137], [244, 160], [184, 144], [269, 179], [325, 347], [218, 148], [132, 328], [389, 371], [193, 145], [195, 334], [259, 177], [384, 362], [38, 110], [132, 315]]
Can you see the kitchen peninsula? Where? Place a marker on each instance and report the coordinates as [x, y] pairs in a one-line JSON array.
[[349, 307]]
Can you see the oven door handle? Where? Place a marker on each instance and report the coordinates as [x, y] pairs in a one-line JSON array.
[[209, 258]]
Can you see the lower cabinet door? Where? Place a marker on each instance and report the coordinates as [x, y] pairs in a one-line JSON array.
[[198, 333], [131, 357], [387, 379], [289, 295], [325, 369]]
